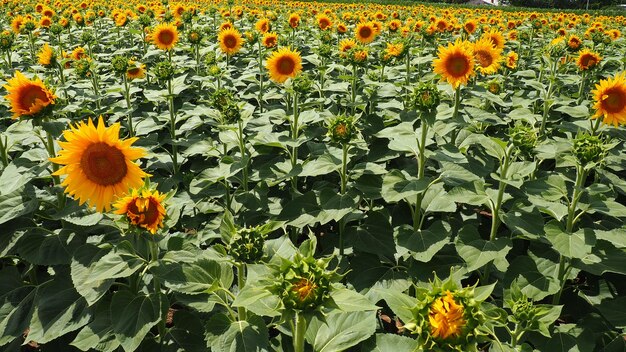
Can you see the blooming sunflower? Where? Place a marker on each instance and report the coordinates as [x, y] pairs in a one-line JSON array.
[[587, 59], [496, 37], [511, 59], [365, 32], [487, 57], [165, 36], [455, 62], [574, 42], [446, 317], [98, 164], [294, 20], [610, 100], [470, 26], [136, 71], [143, 208], [262, 25], [324, 22], [270, 39], [230, 41], [27, 97], [284, 63], [346, 44], [46, 56]]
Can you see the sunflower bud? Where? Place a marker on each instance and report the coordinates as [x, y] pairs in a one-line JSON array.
[[231, 113], [194, 36], [187, 16], [426, 97], [221, 99], [342, 129], [247, 245], [119, 64], [589, 149], [494, 86], [83, 68], [56, 29], [214, 70], [302, 83], [210, 58], [164, 70], [524, 138], [325, 50], [87, 38], [304, 285], [6, 40], [29, 26], [145, 20]]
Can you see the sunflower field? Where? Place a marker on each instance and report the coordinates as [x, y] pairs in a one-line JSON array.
[[256, 175]]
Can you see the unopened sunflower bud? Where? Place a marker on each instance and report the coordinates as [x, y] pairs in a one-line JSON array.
[[164, 70], [83, 68], [302, 83], [145, 20], [119, 64], [426, 97], [87, 38], [342, 129], [524, 138], [589, 149], [247, 245], [56, 29], [194, 36]]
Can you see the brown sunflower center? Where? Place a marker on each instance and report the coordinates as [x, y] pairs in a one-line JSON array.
[[615, 100], [133, 71], [230, 41], [166, 37], [365, 32], [143, 211], [305, 289], [458, 65], [324, 23], [285, 66], [103, 164], [29, 96], [484, 58], [588, 61]]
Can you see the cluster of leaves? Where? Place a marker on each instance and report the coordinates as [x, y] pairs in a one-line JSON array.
[[275, 220]]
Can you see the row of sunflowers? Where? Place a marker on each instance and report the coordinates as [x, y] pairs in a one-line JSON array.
[[256, 175]]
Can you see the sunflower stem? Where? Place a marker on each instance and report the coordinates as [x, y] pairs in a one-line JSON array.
[[408, 76], [242, 150], [353, 96], [582, 87], [581, 177], [241, 281], [595, 125], [260, 77], [154, 257], [295, 129], [55, 167], [131, 131], [9, 59], [547, 99], [170, 99], [298, 331], [421, 167]]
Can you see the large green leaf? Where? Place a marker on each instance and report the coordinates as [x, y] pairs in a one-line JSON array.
[[240, 336], [133, 315], [571, 245], [58, 309], [397, 186], [42, 247], [202, 276], [422, 245], [19, 202], [391, 342], [341, 330], [98, 334], [16, 300]]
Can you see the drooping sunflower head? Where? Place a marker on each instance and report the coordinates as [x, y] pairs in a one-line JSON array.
[[98, 164], [135, 71], [487, 57], [46, 56], [365, 32], [587, 59], [455, 63], [283, 64], [27, 97], [610, 100], [270, 39], [230, 41], [143, 208], [165, 36]]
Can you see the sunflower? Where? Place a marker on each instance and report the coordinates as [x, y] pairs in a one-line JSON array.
[[78, 53], [230, 41], [496, 37], [346, 44], [324, 22], [455, 62], [165, 36], [143, 208], [135, 71], [270, 39], [294, 20], [226, 25], [27, 97], [365, 32], [45, 22], [511, 59], [342, 28], [587, 59], [262, 25], [486, 56], [470, 26], [284, 63], [446, 317], [46, 56], [98, 164], [610, 100], [17, 23]]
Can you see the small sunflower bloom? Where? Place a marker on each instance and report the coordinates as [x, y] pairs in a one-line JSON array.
[[283, 64], [143, 208], [455, 63], [610, 100], [27, 97]]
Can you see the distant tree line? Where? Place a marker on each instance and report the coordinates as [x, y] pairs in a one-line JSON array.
[[565, 4]]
